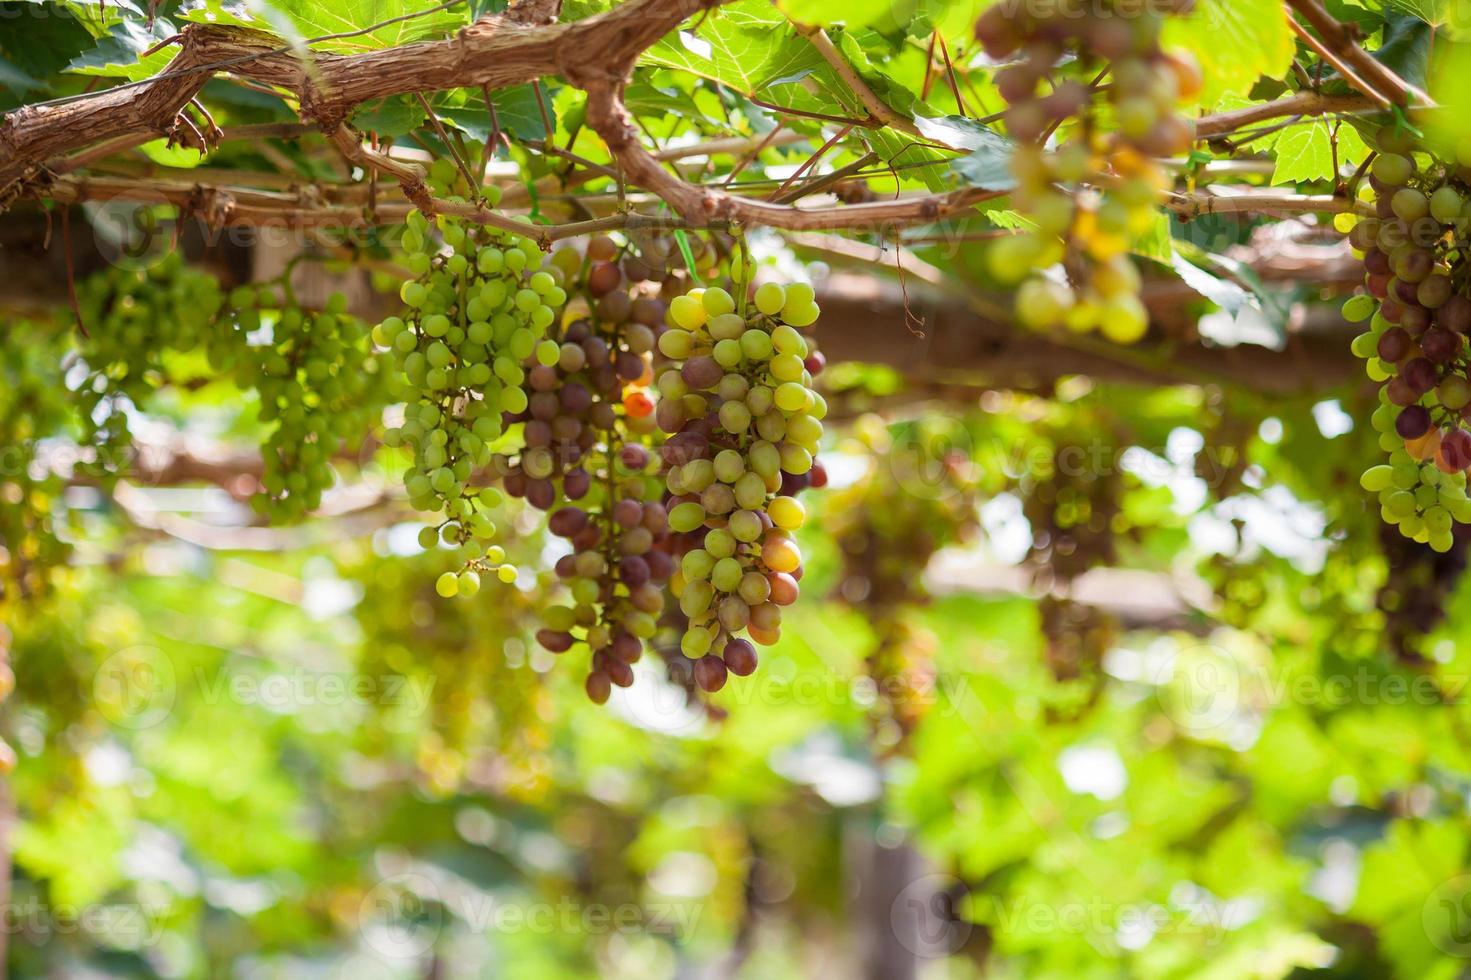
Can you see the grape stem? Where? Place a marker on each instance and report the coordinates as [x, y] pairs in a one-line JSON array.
[[1340, 48]]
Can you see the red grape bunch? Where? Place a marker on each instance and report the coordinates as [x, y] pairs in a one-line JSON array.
[[1094, 196], [1417, 299], [586, 457]]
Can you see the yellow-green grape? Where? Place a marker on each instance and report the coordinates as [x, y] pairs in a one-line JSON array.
[[752, 374]]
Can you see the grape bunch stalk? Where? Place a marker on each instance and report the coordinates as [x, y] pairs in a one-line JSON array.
[[1410, 230], [475, 313], [586, 457], [1090, 199], [737, 403]]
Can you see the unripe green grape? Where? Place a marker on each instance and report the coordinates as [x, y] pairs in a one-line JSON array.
[[686, 517], [696, 565], [734, 416], [413, 294], [1410, 204], [764, 458], [786, 367], [788, 341], [695, 643], [805, 431], [447, 585], [729, 464], [744, 525], [720, 543], [1376, 478], [760, 400], [1392, 169], [696, 599], [726, 576], [795, 459], [676, 344], [717, 301], [792, 397], [756, 345], [726, 326], [1437, 520], [755, 588], [687, 313], [697, 474], [728, 353], [803, 315], [770, 298], [1446, 205]]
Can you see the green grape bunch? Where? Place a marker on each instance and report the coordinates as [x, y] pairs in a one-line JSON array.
[[318, 379], [479, 304], [34, 406], [737, 402], [1410, 229], [136, 320]]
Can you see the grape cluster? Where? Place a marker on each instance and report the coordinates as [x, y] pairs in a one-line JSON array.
[[742, 419], [479, 306], [1411, 231], [318, 379], [586, 457], [136, 320], [1094, 196], [33, 406], [886, 535], [1418, 585]]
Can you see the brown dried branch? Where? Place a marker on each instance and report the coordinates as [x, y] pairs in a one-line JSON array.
[[1378, 80], [704, 205], [1300, 104], [494, 52]]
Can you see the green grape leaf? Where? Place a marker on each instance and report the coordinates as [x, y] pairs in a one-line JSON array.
[[854, 13], [317, 23], [1235, 41], [1406, 48], [36, 47], [1303, 153], [962, 133], [119, 54], [516, 112], [989, 166], [1156, 243], [1226, 294], [393, 116], [746, 45], [482, 8]]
